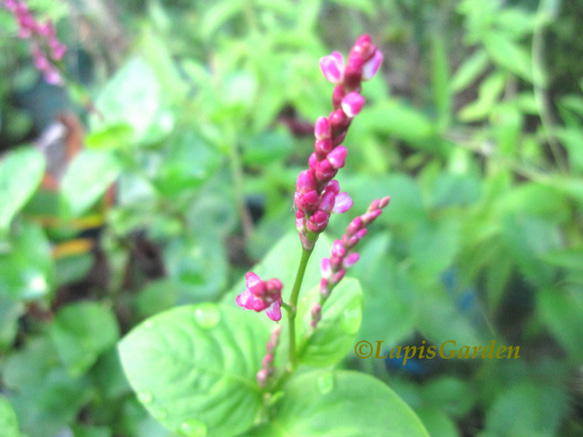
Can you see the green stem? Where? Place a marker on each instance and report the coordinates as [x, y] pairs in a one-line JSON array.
[[293, 302]]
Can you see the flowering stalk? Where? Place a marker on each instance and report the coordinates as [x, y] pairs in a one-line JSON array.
[[343, 256], [317, 192], [45, 48]]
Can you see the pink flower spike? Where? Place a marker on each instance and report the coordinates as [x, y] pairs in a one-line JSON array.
[[10, 5], [333, 187], [325, 171], [371, 67], [384, 202], [352, 103], [350, 260], [342, 204], [322, 128], [306, 182], [274, 311], [324, 288], [323, 147], [337, 157], [333, 67]]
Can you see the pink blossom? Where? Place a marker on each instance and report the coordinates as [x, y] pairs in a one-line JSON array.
[[351, 104], [333, 67], [262, 295]]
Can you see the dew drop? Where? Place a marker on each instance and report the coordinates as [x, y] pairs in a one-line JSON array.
[[207, 315], [351, 319], [193, 428], [325, 382], [145, 397]]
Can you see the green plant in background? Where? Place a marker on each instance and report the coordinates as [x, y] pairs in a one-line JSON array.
[[478, 143]]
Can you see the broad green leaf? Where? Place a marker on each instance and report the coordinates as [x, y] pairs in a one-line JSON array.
[[194, 368], [470, 70], [21, 172], [27, 269], [132, 97], [81, 332], [8, 419], [509, 54], [340, 404], [561, 310], [336, 332], [111, 137], [88, 177]]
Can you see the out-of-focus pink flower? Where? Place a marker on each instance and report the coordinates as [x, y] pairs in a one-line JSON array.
[[371, 67], [262, 295], [46, 49], [333, 67], [352, 103]]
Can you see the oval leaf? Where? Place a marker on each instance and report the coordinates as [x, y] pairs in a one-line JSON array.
[[194, 368], [341, 404]]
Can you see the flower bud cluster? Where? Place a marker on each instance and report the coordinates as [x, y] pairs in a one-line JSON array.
[[342, 257], [262, 295], [267, 362], [317, 192], [45, 48]]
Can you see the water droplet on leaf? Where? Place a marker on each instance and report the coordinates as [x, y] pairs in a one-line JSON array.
[[193, 428], [145, 397], [207, 315], [325, 382], [149, 324]]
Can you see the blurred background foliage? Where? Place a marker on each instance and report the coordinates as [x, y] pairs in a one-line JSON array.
[[175, 145]]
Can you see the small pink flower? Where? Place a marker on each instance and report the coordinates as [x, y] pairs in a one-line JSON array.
[[261, 295], [318, 221], [343, 203], [322, 128], [333, 67], [351, 259], [352, 103], [337, 157], [371, 67]]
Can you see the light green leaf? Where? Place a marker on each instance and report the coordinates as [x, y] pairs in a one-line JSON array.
[[81, 332], [509, 54], [131, 97], [336, 333], [111, 137], [194, 368], [8, 419], [27, 270], [340, 404], [21, 172], [470, 70], [88, 177]]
